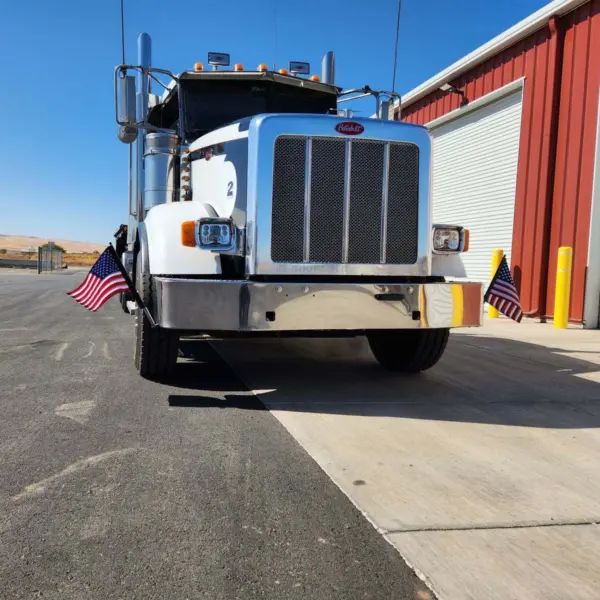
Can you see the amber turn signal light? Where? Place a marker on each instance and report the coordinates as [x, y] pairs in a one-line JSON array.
[[467, 239], [188, 234]]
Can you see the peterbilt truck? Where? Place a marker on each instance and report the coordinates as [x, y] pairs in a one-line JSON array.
[[259, 206]]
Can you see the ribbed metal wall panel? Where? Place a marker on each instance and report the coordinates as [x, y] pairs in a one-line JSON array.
[[575, 149], [474, 178], [561, 67]]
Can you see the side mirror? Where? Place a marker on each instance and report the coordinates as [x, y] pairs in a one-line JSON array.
[[126, 101]]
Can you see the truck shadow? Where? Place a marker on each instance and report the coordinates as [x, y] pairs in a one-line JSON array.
[[479, 380]]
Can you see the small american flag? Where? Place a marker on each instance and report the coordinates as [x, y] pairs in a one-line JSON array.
[[502, 293], [104, 280]]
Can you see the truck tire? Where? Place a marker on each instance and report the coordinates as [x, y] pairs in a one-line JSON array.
[[123, 297], [155, 350], [408, 350]]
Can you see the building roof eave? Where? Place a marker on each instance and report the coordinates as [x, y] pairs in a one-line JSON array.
[[508, 38]]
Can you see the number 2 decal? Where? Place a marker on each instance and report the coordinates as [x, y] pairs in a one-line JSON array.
[[230, 188]]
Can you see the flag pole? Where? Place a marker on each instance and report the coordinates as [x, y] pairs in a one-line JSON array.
[[136, 296]]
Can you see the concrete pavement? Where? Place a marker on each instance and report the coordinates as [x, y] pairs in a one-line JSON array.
[[482, 472]]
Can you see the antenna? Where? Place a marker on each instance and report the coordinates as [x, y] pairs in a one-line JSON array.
[[274, 34], [396, 48], [122, 32]]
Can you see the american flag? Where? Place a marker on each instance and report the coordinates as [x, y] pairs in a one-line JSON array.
[[104, 280], [502, 293]]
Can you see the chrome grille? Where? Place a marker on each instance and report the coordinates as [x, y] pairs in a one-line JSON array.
[[337, 200]]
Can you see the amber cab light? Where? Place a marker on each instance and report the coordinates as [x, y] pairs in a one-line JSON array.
[[238, 67], [315, 78], [283, 72], [198, 67], [262, 67]]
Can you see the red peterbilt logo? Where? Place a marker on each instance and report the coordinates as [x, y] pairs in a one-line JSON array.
[[349, 128]]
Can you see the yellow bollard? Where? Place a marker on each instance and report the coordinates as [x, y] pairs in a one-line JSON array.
[[563, 287], [497, 254]]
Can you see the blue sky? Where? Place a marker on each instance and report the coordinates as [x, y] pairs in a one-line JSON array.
[[63, 173]]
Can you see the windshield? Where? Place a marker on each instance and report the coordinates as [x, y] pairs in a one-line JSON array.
[[208, 105]]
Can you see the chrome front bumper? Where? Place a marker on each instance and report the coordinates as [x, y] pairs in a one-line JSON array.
[[208, 305]]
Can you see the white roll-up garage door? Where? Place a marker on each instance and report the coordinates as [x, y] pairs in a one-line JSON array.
[[474, 178]]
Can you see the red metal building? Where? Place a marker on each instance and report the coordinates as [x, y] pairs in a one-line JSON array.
[[553, 57]]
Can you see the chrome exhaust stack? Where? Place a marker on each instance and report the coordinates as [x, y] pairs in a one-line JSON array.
[[143, 90], [328, 68]]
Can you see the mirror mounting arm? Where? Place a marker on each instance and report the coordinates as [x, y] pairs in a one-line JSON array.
[[121, 74]]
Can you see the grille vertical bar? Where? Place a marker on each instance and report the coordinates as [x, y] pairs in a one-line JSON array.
[[307, 190], [384, 203], [347, 180], [287, 234], [327, 200], [366, 190]]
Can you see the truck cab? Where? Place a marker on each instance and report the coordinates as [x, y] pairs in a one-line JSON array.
[[259, 207]]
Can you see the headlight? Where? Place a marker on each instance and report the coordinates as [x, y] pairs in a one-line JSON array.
[[449, 238], [215, 234]]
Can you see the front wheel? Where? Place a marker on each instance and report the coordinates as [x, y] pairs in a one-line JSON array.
[[408, 350], [155, 350]]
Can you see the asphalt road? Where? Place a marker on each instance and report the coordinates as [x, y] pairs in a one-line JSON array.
[[115, 487]]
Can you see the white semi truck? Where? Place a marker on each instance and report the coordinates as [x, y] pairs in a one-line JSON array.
[[258, 207]]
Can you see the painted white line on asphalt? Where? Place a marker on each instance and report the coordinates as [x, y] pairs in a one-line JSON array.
[[61, 350], [91, 350], [76, 411], [35, 489], [105, 351]]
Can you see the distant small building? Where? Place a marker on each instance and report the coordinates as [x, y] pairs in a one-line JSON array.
[[516, 151]]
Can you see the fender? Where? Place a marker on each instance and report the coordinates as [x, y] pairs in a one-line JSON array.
[[159, 239], [448, 265]]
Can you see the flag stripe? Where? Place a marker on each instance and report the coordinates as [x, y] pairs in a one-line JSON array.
[[116, 290], [501, 294], [84, 285], [507, 289], [106, 293], [101, 288], [83, 298], [93, 282]]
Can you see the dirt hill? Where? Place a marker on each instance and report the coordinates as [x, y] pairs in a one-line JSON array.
[[19, 243]]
